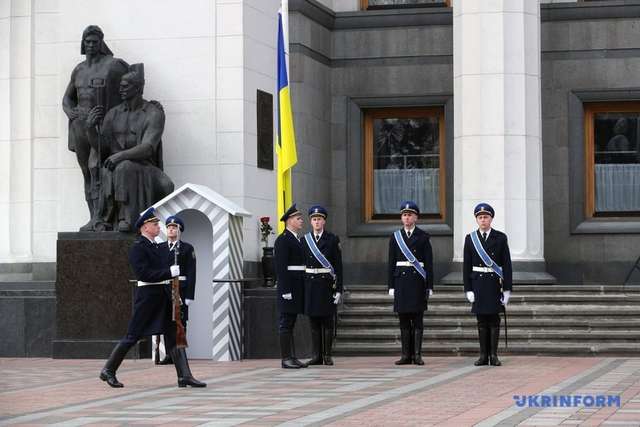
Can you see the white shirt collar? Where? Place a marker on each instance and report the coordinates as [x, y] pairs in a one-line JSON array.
[[411, 230], [319, 234], [488, 232], [294, 233]]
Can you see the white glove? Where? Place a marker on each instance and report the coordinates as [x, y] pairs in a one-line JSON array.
[[430, 292], [391, 292], [188, 301], [505, 297], [175, 270], [288, 296], [471, 297], [336, 298]]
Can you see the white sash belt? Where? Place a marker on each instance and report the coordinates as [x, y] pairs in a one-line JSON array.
[[296, 267], [483, 269], [318, 270], [406, 264], [163, 282]]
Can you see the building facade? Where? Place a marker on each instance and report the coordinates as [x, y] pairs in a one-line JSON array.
[[532, 107]]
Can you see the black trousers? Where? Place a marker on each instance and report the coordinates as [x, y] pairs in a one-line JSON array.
[[412, 320], [286, 322], [318, 322], [488, 320], [169, 337]]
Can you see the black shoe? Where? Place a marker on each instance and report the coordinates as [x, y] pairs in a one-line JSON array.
[[298, 362], [403, 361], [417, 343], [288, 364], [316, 345], [493, 354], [110, 378], [108, 373], [483, 339], [166, 361], [405, 339], [185, 378], [328, 346]]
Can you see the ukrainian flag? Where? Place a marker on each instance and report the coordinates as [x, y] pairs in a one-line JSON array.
[[286, 141]]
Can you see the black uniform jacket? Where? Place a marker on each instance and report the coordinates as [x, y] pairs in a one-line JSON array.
[[289, 251], [152, 303], [411, 290], [486, 286], [187, 263], [319, 288]]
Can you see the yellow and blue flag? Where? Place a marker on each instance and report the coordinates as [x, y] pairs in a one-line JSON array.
[[286, 141]]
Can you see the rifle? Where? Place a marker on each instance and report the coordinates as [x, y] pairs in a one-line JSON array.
[[504, 312], [156, 357], [176, 302]]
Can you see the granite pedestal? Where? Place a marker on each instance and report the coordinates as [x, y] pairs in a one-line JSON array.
[[94, 295]]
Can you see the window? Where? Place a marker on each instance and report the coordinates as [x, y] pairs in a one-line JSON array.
[[398, 4], [612, 131], [404, 160]]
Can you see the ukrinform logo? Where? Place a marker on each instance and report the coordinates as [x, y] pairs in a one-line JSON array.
[[567, 401]]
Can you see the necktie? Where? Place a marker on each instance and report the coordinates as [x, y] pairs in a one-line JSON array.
[[409, 234], [317, 237], [484, 236]]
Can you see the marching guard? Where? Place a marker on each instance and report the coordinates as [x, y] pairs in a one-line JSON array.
[[487, 281], [152, 304], [410, 281], [289, 268], [322, 284], [174, 248]]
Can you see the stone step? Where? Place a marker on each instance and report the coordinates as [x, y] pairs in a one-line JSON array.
[[544, 289], [459, 298], [469, 321], [354, 348], [513, 311], [30, 289], [559, 335]]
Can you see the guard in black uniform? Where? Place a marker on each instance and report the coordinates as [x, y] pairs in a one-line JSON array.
[[484, 289], [187, 263], [322, 285], [152, 304], [289, 267], [409, 288]]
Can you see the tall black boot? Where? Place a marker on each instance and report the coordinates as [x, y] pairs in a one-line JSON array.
[[328, 344], [185, 378], [493, 355], [285, 351], [405, 338], [316, 344], [483, 339], [294, 359], [417, 349], [108, 372]]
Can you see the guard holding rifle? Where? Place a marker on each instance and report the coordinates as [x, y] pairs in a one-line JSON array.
[[152, 305], [410, 281], [175, 247], [487, 281], [322, 284]]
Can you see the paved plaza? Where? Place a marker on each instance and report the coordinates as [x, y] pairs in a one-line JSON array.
[[447, 391]]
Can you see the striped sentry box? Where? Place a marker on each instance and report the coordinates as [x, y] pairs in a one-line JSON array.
[[226, 221]]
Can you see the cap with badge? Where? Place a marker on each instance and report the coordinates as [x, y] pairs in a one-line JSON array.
[[317, 210], [409, 206], [174, 220], [292, 211], [484, 208], [147, 216]]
